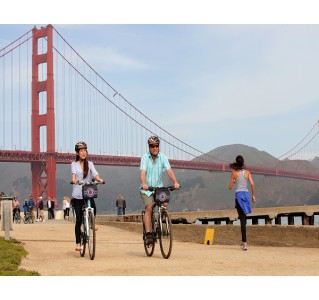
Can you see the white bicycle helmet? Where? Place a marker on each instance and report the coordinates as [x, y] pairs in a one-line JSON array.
[[80, 145], [153, 140]]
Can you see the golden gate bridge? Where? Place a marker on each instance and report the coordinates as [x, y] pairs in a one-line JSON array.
[[51, 97]]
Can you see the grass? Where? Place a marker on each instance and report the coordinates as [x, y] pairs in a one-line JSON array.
[[11, 254]]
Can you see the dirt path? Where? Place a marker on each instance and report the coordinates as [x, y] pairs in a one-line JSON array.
[[120, 252]]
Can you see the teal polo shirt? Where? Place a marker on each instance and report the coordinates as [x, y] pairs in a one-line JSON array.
[[154, 170]]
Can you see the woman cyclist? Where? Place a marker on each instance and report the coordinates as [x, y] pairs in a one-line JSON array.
[[81, 169]]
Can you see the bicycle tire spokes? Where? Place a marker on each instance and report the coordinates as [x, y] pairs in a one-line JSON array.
[[165, 234], [91, 235], [83, 243]]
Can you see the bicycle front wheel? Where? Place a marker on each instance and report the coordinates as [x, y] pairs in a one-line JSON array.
[[18, 219], [83, 241], [165, 234], [92, 238]]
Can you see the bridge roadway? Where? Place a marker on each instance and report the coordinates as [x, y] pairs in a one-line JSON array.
[[67, 158], [120, 252]]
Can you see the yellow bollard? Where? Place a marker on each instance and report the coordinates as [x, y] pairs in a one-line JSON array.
[[209, 236]]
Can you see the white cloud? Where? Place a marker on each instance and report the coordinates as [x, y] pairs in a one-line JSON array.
[[108, 58]]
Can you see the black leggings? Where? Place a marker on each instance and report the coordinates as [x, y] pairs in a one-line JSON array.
[[78, 204], [243, 222]]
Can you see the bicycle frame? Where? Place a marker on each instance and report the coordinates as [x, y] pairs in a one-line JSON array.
[[158, 222], [85, 219]]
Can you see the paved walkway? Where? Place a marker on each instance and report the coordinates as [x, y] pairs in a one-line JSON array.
[[120, 252]]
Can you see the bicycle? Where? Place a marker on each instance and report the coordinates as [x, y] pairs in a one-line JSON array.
[[161, 223], [28, 218], [88, 236], [17, 217]]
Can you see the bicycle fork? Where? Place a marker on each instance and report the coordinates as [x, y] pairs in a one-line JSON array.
[[88, 211], [160, 217]]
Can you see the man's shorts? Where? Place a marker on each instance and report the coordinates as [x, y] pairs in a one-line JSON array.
[[147, 200]]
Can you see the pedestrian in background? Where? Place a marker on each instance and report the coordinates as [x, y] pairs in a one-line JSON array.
[[25, 206], [40, 207], [50, 205], [241, 176], [66, 207], [31, 206], [121, 205]]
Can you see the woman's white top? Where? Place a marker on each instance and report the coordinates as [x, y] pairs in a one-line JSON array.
[[77, 170]]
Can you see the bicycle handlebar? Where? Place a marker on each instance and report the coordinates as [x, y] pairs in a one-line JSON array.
[[82, 182], [171, 188]]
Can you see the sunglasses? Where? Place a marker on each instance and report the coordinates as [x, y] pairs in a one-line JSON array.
[[154, 146]]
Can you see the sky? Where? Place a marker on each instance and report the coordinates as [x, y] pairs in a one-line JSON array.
[[210, 85]]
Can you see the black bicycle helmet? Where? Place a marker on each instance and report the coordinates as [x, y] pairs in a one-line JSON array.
[[153, 140], [80, 145]]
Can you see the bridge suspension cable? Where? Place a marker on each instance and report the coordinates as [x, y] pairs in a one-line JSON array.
[[307, 148], [127, 126], [15, 80]]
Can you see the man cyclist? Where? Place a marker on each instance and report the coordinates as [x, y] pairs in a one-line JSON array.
[[81, 169], [153, 163]]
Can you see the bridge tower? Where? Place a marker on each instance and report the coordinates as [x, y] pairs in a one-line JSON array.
[[43, 173]]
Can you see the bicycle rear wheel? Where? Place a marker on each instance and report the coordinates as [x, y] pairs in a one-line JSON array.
[[18, 219], [25, 220], [165, 235], [92, 237], [83, 241], [149, 249]]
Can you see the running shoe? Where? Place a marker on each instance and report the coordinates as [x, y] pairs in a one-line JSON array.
[[244, 246]]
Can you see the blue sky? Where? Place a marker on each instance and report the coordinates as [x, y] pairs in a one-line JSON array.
[[209, 85]]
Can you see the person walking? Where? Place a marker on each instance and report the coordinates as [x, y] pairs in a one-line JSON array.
[[121, 205], [66, 207], [31, 205], [40, 207], [241, 176], [50, 204], [25, 207], [153, 163]]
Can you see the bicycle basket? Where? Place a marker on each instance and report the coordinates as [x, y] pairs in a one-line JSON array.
[[162, 195], [89, 191]]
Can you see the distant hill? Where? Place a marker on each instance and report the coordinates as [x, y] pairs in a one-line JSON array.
[[201, 190]]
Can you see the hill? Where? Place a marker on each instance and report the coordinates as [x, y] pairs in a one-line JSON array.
[[201, 190]]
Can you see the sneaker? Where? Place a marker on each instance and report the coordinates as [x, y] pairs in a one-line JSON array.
[[244, 246], [148, 240]]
